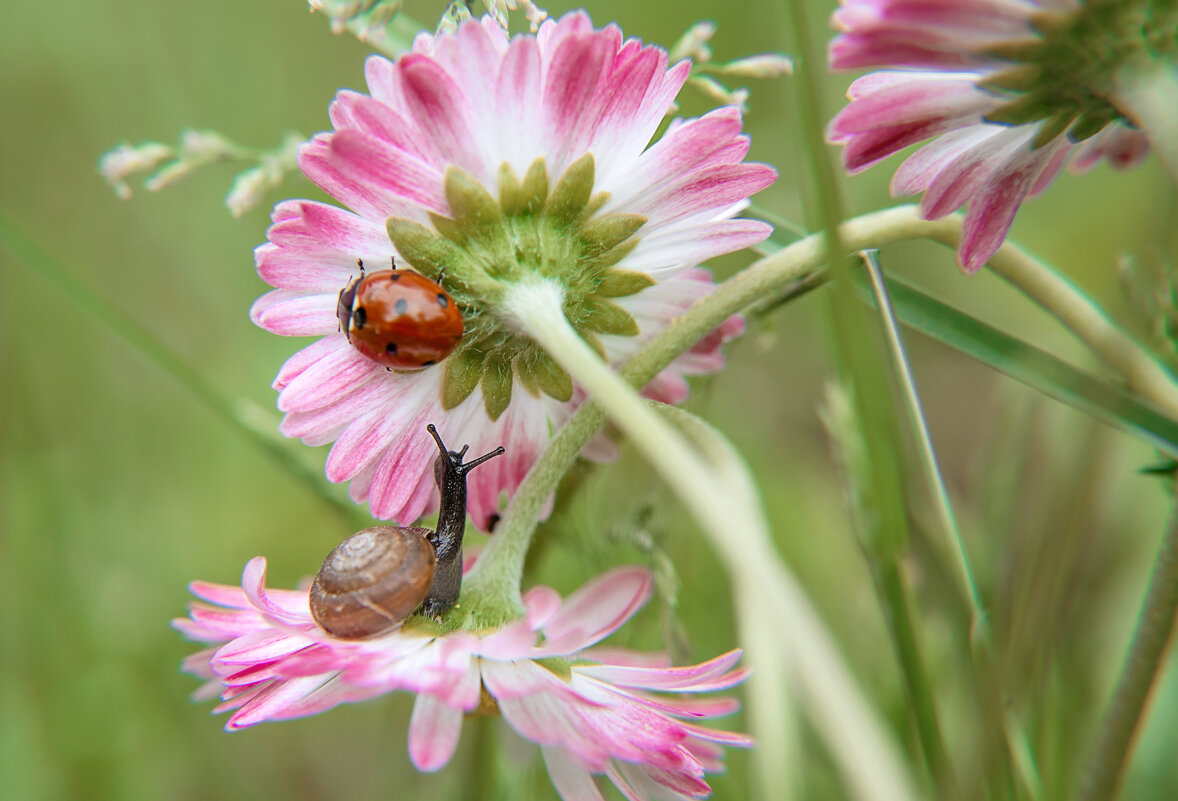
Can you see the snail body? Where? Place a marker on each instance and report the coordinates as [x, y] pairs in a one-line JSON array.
[[377, 577]]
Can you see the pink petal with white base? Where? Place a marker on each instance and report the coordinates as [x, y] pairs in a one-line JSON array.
[[924, 92], [433, 733], [284, 605], [272, 700], [333, 377], [293, 314], [992, 213], [637, 738], [476, 100], [540, 603], [683, 679], [573, 782], [599, 608]]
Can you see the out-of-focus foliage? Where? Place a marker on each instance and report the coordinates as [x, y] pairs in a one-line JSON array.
[[118, 486]]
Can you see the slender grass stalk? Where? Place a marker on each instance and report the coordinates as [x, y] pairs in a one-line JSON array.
[[893, 592], [1143, 663], [1022, 759], [239, 413], [930, 469], [839, 416]]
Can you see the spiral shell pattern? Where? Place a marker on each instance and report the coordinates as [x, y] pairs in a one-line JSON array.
[[372, 581]]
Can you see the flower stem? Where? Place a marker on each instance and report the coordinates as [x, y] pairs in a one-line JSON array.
[[497, 574], [894, 594], [1055, 294], [1146, 90], [763, 279], [1126, 710], [719, 494]]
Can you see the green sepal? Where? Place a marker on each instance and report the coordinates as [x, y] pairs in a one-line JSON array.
[[592, 341], [1051, 128], [1026, 109], [1022, 51], [1088, 125], [1052, 23], [511, 197], [594, 205], [617, 283], [606, 317], [448, 228], [606, 233], [471, 205], [464, 368], [523, 371], [1022, 78], [496, 384], [608, 259], [551, 378], [425, 251], [534, 191], [572, 191]]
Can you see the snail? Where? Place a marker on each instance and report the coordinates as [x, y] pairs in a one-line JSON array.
[[379, 576]]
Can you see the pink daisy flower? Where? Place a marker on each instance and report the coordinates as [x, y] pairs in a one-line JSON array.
[[592, 710], [1009, 91], [483, 160]]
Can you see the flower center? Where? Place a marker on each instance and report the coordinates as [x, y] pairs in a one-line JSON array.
[[1064, 77], [531, 230]]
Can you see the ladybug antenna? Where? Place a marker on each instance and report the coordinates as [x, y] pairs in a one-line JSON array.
[[360, 264]]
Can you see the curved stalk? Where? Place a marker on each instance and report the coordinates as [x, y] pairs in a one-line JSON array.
[[768, 594]]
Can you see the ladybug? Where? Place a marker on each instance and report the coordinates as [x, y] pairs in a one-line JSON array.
[[399, 318]]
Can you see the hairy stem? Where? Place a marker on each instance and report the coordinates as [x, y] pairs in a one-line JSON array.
[[1145, 90], [497, 575], [766, 591]]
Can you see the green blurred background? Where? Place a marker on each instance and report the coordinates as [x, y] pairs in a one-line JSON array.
[[119, 485]]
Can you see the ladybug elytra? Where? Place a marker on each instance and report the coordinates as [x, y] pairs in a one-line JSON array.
[[399, 318]]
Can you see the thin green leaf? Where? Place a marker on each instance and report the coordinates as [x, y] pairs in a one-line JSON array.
[[241, 414], [1104, 400]]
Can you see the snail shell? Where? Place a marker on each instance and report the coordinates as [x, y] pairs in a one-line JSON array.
[[373, 580]]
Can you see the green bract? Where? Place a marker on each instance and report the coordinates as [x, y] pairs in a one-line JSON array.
[[1064, 77], [533, 230]]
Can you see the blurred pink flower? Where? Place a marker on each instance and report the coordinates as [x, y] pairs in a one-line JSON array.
[[593, 711], [955, 58], [456, 121]]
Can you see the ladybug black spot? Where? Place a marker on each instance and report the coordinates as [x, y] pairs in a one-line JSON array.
[[391, 349], [428, 363], [359, 317], [400, 307], [443, 301], [395, 277]]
